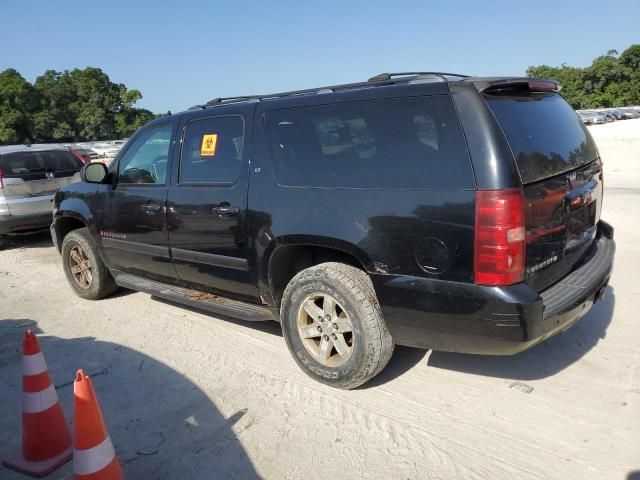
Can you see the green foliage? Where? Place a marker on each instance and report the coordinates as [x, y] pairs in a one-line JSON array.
[[74, 105], [16, 103], [611, 80]]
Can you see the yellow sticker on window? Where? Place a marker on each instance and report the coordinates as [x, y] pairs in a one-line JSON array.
[[208, 148]]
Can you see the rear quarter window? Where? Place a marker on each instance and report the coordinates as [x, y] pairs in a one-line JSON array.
[[414, 142], [545, 134]]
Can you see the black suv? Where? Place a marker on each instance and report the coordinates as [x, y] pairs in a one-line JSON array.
[[425, 209]]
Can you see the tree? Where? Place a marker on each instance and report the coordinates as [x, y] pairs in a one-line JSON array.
[[76, 105], [17, 104], [54, 120], [630, 62], [611, 80], [131, 119]]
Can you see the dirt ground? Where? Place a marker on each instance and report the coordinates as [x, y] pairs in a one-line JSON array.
[[190, 396]]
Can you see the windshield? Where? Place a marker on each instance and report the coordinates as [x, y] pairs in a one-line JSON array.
[[544, 133]]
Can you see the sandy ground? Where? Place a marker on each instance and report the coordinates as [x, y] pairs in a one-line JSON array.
[[186, 395]]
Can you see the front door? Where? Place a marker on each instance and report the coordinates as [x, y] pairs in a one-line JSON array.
[[133, 223], [207, 206]]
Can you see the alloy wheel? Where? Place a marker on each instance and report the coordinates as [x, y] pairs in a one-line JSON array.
[[80, 267], [325, 329]]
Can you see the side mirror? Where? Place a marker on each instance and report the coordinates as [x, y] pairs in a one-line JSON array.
[[94, 173]]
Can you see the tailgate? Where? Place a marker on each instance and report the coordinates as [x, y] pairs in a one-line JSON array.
[[561, 217], [562, 180]]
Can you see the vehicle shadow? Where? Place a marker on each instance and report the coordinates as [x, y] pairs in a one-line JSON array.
[[546, 359], [32, 240], [161, 424], [403, 359], [543, 360]]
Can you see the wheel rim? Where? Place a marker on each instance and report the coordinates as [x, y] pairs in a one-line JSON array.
[[325, 329], [80, 267]]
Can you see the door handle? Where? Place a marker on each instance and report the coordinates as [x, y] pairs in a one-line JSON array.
[[226, 210], [150, 208]]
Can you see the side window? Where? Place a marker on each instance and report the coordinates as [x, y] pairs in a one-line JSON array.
[[212, 150], [145, 161], [344, 135], [414, 142]]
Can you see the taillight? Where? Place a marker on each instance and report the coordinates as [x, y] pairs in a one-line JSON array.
[[544, 86], [499, 237], [1, 180], [78, 156]]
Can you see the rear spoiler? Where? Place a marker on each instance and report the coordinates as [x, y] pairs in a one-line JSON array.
[[512, 85]]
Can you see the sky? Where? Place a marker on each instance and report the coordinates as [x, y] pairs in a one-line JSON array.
[[186, 52]]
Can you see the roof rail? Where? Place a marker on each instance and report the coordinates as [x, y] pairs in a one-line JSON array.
[[381, 77], [218, 100]]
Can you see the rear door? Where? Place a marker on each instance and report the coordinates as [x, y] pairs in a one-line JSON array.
[[562, 177], [207, 204], [31, 178]]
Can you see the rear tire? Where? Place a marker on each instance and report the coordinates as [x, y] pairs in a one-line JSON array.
[[333, 325], [88, 276]]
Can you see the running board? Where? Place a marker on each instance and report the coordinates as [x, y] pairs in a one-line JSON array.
[[195, 298]]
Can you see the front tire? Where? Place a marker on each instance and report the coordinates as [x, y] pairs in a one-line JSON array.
[[88, 276], [333, 325]]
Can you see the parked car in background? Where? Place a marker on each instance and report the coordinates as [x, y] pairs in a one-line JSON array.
[[609, 117], [85, 154], [621, 114], [633, 112], [599, 116], [105, 149], [591, 118], [603, 115], [29, 177], [594, 118]]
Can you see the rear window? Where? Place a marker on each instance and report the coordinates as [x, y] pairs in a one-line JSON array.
[[25, 163], [544, 133], [412, 142]]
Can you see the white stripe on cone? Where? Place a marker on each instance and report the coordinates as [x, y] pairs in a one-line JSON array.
[[92, 460], [33, 364], [36, 402]]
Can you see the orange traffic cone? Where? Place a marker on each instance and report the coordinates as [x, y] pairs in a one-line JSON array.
[[93, 454], [46, 441]]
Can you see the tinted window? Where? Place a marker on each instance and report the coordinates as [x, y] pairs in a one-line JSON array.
[[24, 163], [544, 132], [145, 161], [399, 143], [212, 150]]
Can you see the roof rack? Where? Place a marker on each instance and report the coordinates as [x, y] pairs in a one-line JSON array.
[[388, 76], [218, 100], [378, 80]]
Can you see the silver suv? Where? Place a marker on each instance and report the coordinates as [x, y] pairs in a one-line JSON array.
[[29, 176]]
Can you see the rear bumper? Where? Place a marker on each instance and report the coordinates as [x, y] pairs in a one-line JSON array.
[[469, 318], [24, 224]]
